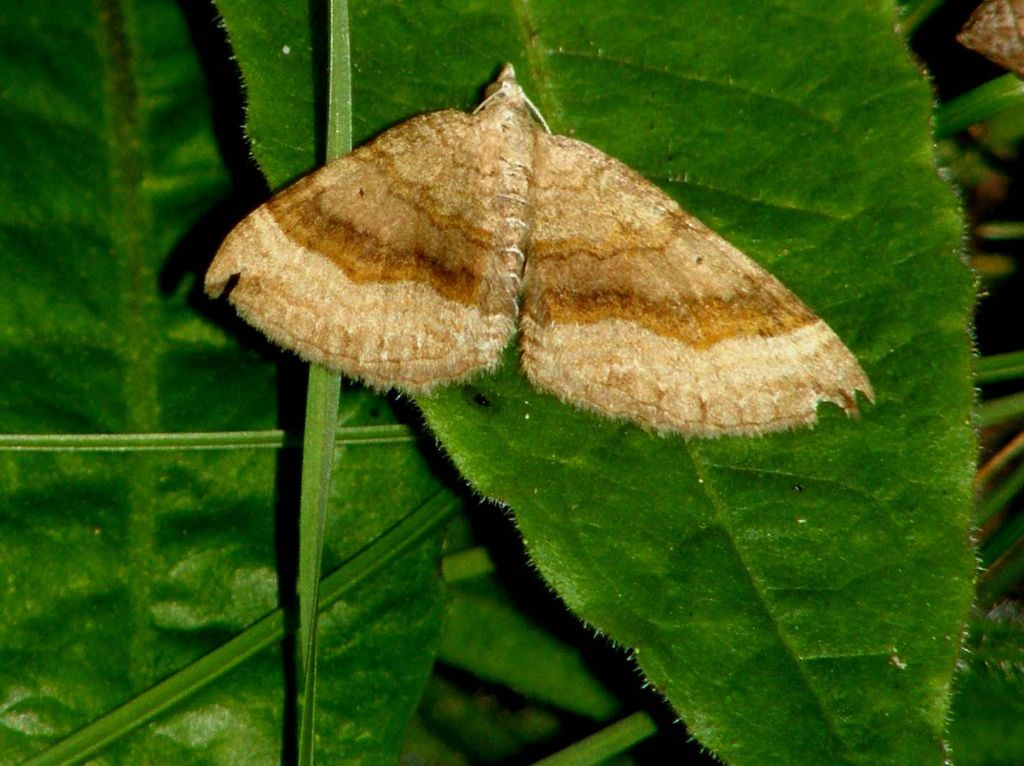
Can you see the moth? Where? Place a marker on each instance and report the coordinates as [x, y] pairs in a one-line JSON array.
[[412, 262]]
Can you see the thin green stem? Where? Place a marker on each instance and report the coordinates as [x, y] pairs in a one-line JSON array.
[[321, 409], [1003, 576], [999, 367], [317, 464], [610, 741], [339, 88], [977, 105], [1004, 408], [916, 13], [1007, 538], [199, 440], [466, 565], [1000, 496]]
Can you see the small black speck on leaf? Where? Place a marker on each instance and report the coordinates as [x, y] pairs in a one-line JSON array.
[[477, 398]]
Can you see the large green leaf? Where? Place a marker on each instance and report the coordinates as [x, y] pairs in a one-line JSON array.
[[798, 598], [123, 567]]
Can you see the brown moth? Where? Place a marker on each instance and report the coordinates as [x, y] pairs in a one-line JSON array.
[[996, 31], [410, 262]]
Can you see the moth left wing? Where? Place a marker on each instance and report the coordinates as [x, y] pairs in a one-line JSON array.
[[382, 265], [635, 309]]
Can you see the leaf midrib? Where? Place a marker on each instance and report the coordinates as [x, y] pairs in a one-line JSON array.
[[718, 505], [129, 227]]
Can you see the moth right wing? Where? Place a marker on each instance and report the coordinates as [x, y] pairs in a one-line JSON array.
[[635, 309], [383, 265]]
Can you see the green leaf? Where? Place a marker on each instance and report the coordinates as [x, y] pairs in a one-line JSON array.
[[121, 568], [486, 635], [403, 536], [465, 726], [798, 598]]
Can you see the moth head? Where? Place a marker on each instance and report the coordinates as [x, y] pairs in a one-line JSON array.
[[505, 86], [507, 92]]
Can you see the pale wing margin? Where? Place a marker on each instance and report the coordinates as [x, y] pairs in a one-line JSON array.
[[635, 309], [380, 265]]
